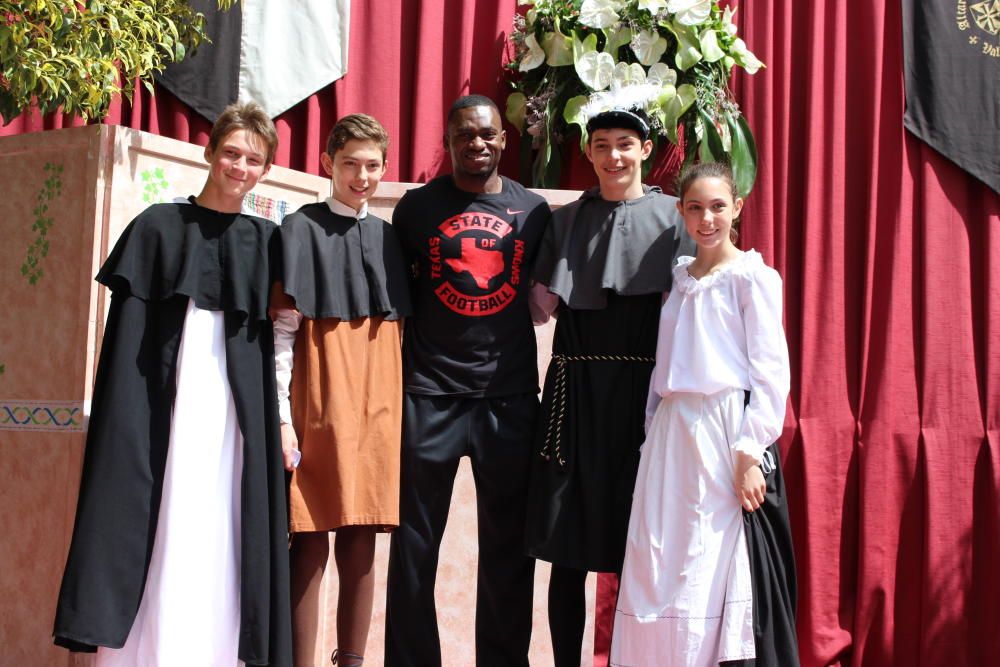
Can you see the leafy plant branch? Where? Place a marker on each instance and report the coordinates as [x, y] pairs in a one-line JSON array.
[[77, 56]]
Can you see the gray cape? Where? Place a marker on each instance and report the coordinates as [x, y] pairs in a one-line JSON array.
[[593, 245]]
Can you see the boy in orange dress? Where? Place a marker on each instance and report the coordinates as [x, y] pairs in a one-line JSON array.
[[338, 330]]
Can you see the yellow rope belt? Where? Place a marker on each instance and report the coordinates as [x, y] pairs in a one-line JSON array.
[[557, 409]]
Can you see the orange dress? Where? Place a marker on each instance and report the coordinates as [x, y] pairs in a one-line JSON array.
[[347, 401], [346, 276]]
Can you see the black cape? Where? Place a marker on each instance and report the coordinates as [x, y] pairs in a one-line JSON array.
[[224, 262], [336, 266]]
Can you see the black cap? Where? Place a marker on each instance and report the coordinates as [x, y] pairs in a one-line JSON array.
[[630, 119]]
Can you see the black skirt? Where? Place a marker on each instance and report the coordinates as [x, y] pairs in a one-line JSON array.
[[589, 433], [772, 572]]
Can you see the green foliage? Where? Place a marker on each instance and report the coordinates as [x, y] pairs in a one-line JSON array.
[[78, 55], [31, 268], [672, 58], [154, 182]]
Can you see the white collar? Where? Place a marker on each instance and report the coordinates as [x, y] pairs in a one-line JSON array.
[[343, 209]]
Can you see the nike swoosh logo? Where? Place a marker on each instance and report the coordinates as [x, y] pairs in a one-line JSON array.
[[510, 212]]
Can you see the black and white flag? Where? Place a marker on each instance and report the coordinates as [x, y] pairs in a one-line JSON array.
[[274, 53]]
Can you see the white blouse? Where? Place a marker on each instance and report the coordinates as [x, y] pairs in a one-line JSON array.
[[724, 331]]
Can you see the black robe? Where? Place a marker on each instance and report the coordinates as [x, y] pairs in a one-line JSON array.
[[609, 263], [224, 262]]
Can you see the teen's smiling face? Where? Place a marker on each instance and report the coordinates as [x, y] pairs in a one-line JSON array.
[[237, 164], [709, 209], [355, 170], [617, 155], [475, 140]]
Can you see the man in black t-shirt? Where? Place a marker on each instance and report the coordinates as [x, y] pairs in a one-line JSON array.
[[471, 384]]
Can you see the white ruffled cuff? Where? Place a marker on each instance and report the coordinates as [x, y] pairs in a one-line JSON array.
[[748, 446]]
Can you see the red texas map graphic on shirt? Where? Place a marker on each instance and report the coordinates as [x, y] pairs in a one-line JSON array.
[[481, 258], [483, 265]]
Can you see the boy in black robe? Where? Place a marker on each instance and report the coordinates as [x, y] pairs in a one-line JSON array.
[[171, 260]]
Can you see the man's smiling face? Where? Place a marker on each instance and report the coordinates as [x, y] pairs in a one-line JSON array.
[[475, 140]]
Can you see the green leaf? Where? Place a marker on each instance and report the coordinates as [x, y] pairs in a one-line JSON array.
[[541, 159], [524, 162], [687, 46], [690, 144], [517, 106], [583, 46], [676, 106], [553, 169], [744, 154], [687, 94], [558, 49], [573, 111], [615, 38], [550, 175], [710, 149], [573, 115]]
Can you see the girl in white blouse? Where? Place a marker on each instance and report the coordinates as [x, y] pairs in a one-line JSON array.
[[709, 574]]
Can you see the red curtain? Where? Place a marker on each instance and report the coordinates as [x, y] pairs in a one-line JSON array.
[[892, 309], [888, 252]]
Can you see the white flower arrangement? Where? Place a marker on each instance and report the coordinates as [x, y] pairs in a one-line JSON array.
[[670, 58]]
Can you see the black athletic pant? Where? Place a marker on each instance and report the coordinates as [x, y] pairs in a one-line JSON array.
[[496, 434]]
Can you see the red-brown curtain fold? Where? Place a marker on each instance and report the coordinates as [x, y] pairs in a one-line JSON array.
[[888, 252], [891, 260]]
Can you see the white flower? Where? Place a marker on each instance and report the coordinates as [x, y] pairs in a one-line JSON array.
[[595, 69], [727, 21], [709, 46], [600, 13], [690, 12], [661, 75], [626, 75], [652, 6], [745, 57], [534, 57], [648, 46]]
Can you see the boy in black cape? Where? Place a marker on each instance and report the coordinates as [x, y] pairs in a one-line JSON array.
[[179, 552]]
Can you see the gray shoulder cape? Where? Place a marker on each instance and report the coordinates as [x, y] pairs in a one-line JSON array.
[[594, 245]]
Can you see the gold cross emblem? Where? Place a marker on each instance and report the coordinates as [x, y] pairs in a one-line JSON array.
[[987, 15]]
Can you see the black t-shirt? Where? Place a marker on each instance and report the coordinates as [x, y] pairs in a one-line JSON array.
[[472, 256]]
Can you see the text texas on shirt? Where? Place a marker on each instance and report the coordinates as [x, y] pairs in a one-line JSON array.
[[468, 262]]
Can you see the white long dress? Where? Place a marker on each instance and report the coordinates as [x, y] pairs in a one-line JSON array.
[[190, 609], [686, 592]]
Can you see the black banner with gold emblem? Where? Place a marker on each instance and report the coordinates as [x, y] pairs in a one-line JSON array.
[[952, 68]]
